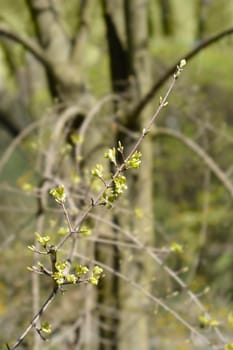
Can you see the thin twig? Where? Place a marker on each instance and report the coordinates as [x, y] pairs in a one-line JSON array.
[[35, 318], [188, 56], [198, 150], [95, 201], [172, 274], [27, 44], [158, 301]]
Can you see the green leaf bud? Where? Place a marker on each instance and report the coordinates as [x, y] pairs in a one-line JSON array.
[[134, 161], [58, 194]]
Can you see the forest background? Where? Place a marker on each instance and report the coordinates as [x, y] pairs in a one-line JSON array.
[[77, 77]]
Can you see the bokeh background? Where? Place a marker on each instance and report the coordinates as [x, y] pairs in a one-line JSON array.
[[74, 80]]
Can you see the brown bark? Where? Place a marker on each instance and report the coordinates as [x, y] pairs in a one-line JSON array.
[[131, 66], [49, 31], [166, 17], [140, 191], [65, 81]]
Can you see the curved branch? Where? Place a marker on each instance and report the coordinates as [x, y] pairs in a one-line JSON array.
[[200, 152], [27, 44], [149, 295], [17, 140], [188, 56]]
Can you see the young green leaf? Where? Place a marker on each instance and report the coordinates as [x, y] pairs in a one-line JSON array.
[[71, 278], [81, 270], [120, 147], [43, 240], [58, 194], [120, 184], [176, 247], [46, 327], [111, 155], [85, 231], [134, 161], [98, 171]]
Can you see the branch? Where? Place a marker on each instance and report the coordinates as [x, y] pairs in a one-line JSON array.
[[68, 114], [200, 152], [191, 54], [160, 262], [150, 296], [96, 201], [35, 319], [219, 173], [87, 121], [27, 44], [16, 141]]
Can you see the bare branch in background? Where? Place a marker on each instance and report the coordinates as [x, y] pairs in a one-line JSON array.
[[27, 44], [201, 153], [204, 44]]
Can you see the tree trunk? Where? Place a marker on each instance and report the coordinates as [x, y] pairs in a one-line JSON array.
[[135, 327], [130, 65], [64, 80], [166, 17]]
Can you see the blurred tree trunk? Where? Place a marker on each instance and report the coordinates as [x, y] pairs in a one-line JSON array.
[[62, 81], [109, 298], [166, 17], [140, 191], [202, 18], [66, 82], [130, 73]]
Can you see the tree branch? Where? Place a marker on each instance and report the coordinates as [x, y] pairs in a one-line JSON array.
[[35, 319], [200, 152], [188, 56], [150, 296], [193, 146], [27, 44]]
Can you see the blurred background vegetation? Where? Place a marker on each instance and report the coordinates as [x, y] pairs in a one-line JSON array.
[[90, 50]]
